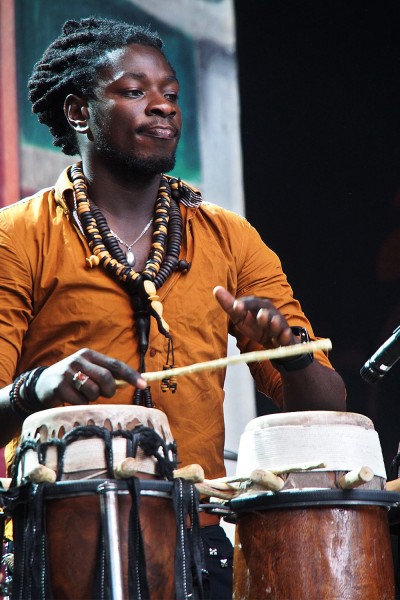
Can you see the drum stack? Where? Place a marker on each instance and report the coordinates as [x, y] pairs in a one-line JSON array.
[[312, 524], [96, 509]]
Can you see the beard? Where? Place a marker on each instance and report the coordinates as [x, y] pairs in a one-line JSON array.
[[127, 164]]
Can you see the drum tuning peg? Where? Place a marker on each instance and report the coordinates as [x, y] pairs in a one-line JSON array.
[[42, 474], [267, 479], [126, 468], [355, 478], [393, 485], [193, 473]]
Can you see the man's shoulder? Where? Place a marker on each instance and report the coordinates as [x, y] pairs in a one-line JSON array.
[[26, 204], [219, 212]]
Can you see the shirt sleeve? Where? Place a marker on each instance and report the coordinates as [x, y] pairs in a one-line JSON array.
[[260, 274], [15, 300]]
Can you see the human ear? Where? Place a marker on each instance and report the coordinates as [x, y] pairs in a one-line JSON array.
[[77, 113]]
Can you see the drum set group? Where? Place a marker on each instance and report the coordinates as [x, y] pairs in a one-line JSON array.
[[100, 509]]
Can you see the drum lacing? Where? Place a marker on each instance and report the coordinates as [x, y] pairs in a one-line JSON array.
[[152, 444], [190, 575], [31, 578], [137, 578]]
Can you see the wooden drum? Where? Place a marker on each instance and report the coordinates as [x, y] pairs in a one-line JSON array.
[[313, 540], [83, 446]]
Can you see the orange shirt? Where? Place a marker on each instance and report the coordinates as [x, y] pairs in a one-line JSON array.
[[52, 304]]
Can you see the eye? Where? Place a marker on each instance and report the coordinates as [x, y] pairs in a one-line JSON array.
[[171, 96], [132, 93]]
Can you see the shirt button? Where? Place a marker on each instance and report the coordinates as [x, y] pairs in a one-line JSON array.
[[153, 352]]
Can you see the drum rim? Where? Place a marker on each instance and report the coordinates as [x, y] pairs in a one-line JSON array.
[[54, 415], [309, 419], [313, 499], [82, 487]]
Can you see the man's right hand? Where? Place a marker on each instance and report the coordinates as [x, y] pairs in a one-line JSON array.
[[82, 378]]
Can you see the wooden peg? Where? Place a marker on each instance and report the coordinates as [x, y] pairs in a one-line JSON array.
[[193, 473], [355, 478], [267, 479], [42, 474], [126, 468], [393, 486]]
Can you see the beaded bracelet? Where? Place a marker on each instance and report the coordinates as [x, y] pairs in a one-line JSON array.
[[15, 399], [23, 407]]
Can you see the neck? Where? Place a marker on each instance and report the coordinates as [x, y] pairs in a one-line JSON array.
[[122, 196]]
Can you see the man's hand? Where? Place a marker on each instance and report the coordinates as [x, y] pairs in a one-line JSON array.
[[256, 318], [82, 378]]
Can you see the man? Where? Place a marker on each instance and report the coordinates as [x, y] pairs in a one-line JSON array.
[[79, 297]]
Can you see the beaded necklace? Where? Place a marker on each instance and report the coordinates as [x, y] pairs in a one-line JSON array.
[[162, 260]]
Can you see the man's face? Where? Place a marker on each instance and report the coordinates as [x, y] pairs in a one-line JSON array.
[[135, 119]]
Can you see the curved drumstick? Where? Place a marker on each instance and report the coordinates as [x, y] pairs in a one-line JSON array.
[[246, 357]]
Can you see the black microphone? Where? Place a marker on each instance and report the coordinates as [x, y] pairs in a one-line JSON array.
[[383, 360]]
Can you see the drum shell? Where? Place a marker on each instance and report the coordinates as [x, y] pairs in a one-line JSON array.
[[73, 526], [314, 553], [73, 519]]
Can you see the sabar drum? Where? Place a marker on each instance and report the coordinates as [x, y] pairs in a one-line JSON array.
[[313, 540], [91, 533]]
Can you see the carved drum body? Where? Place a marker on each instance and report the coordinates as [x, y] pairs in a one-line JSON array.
[[67, 531], [313, 540]]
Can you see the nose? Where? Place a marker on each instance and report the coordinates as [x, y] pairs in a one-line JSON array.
[[161, 106]]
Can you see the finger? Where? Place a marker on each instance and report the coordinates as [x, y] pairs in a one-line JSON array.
[[88, 388], [229, 304], [253, 303], [280, 330], [225, 298], [103, 370]]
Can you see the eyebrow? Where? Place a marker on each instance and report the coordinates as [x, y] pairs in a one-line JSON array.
[[143, 76]]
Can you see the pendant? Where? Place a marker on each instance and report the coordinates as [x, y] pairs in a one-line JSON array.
[[130, 258]]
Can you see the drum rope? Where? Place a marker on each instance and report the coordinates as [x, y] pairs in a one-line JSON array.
[[31, 570], [137, 578], [189, 561]]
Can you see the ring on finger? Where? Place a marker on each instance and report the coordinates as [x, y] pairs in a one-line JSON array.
[[79, 379]]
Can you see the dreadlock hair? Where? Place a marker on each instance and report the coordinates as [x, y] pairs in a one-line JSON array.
[[70, 66]]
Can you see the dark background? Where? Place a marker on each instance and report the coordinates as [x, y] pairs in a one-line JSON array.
[[320, 102]]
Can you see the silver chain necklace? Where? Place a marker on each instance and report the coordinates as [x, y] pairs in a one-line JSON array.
[[130, 257]]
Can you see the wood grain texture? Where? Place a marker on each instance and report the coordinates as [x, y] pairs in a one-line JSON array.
[[317, 553]]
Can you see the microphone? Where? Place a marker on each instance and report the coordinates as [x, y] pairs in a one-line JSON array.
[[383, 360]]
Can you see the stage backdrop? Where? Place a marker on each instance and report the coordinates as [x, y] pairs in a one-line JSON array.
[[199, 38]]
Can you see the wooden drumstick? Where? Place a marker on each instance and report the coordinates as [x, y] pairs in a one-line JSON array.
[[246, 357], [355, 478]]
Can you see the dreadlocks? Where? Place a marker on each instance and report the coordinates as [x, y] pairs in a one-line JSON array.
[[70, 66]]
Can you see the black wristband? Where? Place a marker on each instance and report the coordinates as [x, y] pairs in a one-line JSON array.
[[295, 363], [30, 397], [30, 403]]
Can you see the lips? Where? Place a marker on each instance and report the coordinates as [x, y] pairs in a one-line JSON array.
[[159, 131]]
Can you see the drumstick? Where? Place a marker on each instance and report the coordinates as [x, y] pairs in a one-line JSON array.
[[247, 357]]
